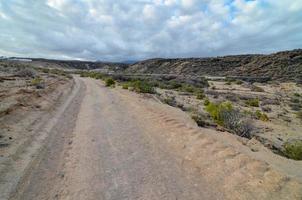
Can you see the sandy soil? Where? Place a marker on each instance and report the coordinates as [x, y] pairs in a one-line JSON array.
[[282, 124], [114, 144]]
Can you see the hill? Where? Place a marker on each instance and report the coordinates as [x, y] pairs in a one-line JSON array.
[[286, 65]]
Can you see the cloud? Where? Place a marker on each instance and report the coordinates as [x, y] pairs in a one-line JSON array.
[[138, 29]]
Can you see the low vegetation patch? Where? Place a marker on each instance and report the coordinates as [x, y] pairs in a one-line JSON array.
[[295, 103], [201, 119], [95, 75], [239, 82], [257, 89], [142, 87], [125, 86], [109, 82], [200, 95], [27, 72], [225, 115], [206, 102], [38, 83], [170, 101], [293, 149], [252, 102], [299, 115], [261, 116]]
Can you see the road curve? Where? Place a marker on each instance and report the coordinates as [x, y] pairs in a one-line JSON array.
[[104, 149]]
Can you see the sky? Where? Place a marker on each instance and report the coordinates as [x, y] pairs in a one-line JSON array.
[[118, 30]]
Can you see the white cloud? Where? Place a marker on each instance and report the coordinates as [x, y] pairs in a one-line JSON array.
[[57, 4], [188, 3], [136, 29], [149, 12]]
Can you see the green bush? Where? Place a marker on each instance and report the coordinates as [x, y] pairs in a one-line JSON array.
[[200, 95], [206, 102], [215, 109], [293, 149], [109, 82], [125, 86], [261, 116], [225, 115], [297, 95], [38, 83], [252, 102], [142, 87], [188, 88]]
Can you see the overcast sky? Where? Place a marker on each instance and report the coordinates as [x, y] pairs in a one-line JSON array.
[[137, 29]]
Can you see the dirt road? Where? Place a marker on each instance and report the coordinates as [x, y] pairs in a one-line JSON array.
[[110, 154], [115, 144]]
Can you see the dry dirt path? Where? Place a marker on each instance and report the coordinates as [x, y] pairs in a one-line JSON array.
[[109, 153], [112, 144]]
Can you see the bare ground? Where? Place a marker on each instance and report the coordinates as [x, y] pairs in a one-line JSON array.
[[113, 144]]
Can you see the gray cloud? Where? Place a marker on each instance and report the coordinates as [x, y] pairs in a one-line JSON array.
[[139, 29]]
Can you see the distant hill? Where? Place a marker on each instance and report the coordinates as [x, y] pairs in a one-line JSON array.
[[286, 65]]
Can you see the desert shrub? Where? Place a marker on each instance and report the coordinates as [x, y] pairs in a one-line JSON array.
[[26, 72], [188, 88], [295, 100], [296, 107], [295, 103], [248, 113], [293, 149], [229, 79], [201, 119], [174, 85], [214, 110], [200, 95], [239, 82], [84, 74], [297, 95], [170, 101], [109, 82], [206, 102], [252, 102], [261, 116], [125, 86], [299, 115], [45, 70], [236, 123], [57, 72], [38, 83], [142, 87], [228, 83], [257, 89], [225, 115], [232, 97]]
